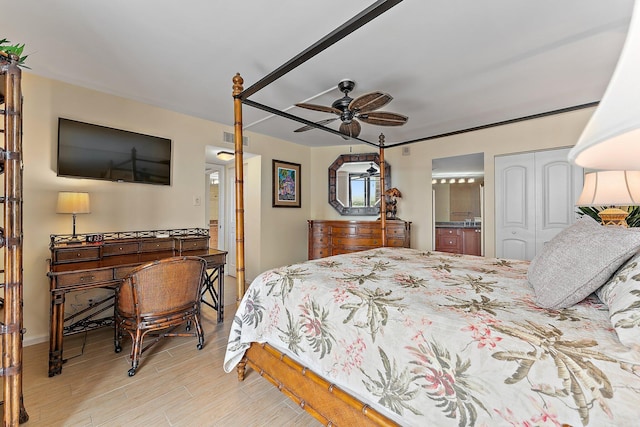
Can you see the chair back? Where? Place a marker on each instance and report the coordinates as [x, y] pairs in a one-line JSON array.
[[162, 287]]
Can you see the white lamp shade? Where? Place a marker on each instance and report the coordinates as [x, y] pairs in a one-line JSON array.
[[73, 203], [610, 188], [611, 139]]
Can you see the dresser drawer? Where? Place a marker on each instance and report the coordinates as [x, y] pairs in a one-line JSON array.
[[395, 232], [320, 240], [156, 245], [356, 241], [77, 254], [344, 231], [119, 249], [320, 253], [395, 243], [320, 229], [81, 278], [369, 231], [193, 244]]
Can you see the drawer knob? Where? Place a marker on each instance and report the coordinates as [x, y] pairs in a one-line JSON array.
[[121, 249], [78, 254]]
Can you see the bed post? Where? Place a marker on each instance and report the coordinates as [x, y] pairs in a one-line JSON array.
[[383, 197], [237, 123]]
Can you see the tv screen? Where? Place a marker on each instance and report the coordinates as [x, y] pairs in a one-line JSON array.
[[97, 152]]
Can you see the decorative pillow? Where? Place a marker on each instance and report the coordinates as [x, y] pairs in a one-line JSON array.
[[579, 260], [622, 295]]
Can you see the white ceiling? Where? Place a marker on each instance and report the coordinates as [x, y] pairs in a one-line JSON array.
[[449, 64]]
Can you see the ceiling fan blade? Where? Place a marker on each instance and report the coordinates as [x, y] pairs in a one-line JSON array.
[[321, 122], [370, 101], [322, 108], [350, 129], [383, 118]]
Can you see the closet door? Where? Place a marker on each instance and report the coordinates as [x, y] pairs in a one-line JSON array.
[[535, 200], [558, 186], [515, 213]]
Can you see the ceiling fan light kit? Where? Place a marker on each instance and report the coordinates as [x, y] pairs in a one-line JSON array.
[[351, 111]]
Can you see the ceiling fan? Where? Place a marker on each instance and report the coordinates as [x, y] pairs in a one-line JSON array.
[[371, 172], [350, 111]]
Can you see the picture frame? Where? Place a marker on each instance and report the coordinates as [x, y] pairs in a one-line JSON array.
[[286, 184]]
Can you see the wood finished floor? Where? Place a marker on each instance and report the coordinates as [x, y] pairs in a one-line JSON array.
[[175, 385]]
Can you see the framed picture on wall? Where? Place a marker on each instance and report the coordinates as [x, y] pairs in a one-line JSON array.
[[286, 184]]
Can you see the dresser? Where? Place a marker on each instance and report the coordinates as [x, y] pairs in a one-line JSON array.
[[327, 237], [90, 261]]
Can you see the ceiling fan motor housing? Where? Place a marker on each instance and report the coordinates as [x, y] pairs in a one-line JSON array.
[[346, 85]]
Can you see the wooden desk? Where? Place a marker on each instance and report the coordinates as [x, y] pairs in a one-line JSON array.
[[80, 266]]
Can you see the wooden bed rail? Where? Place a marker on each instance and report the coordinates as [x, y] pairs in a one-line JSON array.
[[323, 400]]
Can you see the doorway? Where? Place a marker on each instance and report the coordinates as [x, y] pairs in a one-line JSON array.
[[215, 211]]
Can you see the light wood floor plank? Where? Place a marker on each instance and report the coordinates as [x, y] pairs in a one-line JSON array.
[[175, 385]]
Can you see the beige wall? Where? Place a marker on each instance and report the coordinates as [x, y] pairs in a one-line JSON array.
[[126, 206]]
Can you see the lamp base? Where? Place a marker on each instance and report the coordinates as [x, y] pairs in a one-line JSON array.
[[614, 216]]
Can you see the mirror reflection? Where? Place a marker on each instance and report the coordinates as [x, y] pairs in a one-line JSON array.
[[354, 184], [458, 191], [358, 184]]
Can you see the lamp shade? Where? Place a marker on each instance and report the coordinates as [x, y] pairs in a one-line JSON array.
[[611, 139], [73, 203], [610, 188]]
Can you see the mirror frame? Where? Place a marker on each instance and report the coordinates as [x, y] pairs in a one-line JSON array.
[[353, 158]]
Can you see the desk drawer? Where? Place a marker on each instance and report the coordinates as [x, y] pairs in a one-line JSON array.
[[193, 244], [82, 278], [158, 245], [77, 254], [119, 249]]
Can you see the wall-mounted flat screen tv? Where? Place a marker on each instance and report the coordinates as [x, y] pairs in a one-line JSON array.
[[91, 151]]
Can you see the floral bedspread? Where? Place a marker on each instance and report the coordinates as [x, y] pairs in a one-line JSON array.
[[429, 338]]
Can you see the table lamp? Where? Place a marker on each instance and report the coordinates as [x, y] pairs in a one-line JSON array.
[[611, 188], [73, 203]]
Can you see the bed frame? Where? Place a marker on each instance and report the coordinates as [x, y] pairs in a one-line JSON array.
[[323, 400]]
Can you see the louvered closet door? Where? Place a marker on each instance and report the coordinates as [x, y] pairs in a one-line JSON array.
[[515, 213]]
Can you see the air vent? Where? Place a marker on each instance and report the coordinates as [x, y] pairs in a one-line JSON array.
[[228, 137]]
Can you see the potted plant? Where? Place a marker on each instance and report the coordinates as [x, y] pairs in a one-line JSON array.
[[8, 49]]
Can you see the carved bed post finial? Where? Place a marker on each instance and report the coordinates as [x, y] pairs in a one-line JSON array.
[[383, 204], [237, 112]]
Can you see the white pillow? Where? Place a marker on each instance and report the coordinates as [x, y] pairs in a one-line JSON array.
[[579, 260], [622, 295]]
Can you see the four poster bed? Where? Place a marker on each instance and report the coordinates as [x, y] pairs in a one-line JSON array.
[[402, 336]]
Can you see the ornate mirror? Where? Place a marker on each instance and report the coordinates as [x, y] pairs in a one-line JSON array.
[[354, 184]]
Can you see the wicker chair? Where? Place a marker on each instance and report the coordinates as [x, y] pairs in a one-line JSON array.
[[155, 298]]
